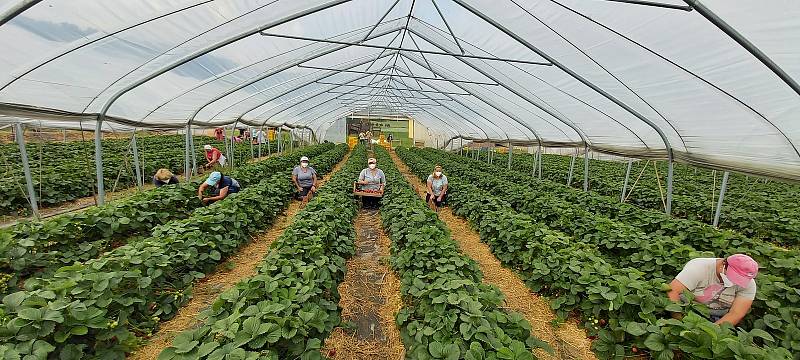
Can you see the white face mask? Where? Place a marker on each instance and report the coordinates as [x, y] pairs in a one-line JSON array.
[[438, 173], [304, 164], [372, 166], [725, 281]]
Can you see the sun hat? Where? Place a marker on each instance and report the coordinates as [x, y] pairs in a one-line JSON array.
[[372, 161], [304, 158], [207, 147], [163, 174], [213, 179], [741, 269]]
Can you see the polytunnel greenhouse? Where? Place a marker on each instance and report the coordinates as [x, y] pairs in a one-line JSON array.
[[400, 179]]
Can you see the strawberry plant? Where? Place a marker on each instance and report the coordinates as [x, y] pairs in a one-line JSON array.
[[290, 305], [42, 247], [99, 307], [449, 313], [573, 281]]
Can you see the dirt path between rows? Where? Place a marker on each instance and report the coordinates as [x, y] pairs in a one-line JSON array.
[[568, 340], [370, 299], [236, 268]]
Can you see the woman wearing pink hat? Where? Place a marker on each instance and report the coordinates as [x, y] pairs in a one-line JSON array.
[[727, 286]]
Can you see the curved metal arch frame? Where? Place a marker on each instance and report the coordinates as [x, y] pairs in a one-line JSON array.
[[684, 69], [426, 38], [458, 101], [708, 14], [101, 117], [576, 76]]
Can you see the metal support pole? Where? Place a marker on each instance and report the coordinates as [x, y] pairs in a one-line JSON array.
[[722, 189], [510, 153], [625, 184], [26, 168], [269, 145], [98, 163], [586, 168], [250, 139], [193, 152], [670, 166], [461, 146], [187, 170], [136, 165], [227, 147], [258, 138], [488, 154], [572, 167], [540, 160]]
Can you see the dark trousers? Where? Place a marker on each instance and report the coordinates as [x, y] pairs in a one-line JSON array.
[[370, 202]]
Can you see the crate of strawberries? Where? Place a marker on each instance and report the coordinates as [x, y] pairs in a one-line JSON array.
[[357, 190]]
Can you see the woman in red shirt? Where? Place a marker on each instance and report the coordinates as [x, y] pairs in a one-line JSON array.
[[213, 157]]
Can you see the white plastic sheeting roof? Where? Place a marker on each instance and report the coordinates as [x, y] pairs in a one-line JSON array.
[[630, 77]]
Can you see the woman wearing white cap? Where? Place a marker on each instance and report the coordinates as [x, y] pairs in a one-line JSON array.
[[214, 157], [221, 187], [304, 178], [727, 286], [372, 179]]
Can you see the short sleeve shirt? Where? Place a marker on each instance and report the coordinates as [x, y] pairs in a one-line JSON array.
[[214, 152], [437, 184], [700, 277], [373, 180], [230, 183], [304, 178]]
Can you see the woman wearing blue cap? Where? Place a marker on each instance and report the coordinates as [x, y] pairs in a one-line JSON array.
[[221, 186]]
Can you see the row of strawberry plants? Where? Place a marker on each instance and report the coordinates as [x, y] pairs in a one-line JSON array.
[[776, 309], [449, 313], [767, 211], [777, 261], [42, 247], [290, 305], [97, 309], [777, 306], [59, 169], [576, 276]]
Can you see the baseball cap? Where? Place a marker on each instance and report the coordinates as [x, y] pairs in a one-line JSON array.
[[372, 161], [741, 269], [213, 179], [207, 147], [304, 158]]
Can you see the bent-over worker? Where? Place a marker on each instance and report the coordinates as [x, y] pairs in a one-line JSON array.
[[164, 177], [214, 157], [727, 286], [221, 186]]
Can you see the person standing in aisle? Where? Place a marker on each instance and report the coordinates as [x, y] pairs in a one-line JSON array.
[[362, 138], [221, 186], [437, 189], [304, 178], [372, 179], [164, 177], [727, 286], [214, 157], [219, 134]]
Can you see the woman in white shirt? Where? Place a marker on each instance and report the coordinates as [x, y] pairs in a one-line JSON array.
[[437, 189]]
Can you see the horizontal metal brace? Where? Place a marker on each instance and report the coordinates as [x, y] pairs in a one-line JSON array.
[[654, 4], [529, 62], [404, 76], [406, 89], [405, 96]]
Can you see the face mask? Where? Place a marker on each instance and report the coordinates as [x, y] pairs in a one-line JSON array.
[[725, 281], [372, 166], [438, 173], [304, 164]]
